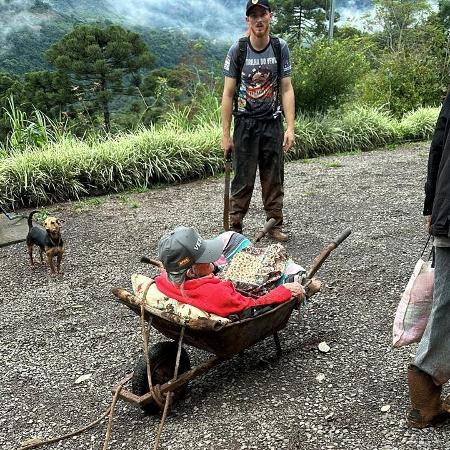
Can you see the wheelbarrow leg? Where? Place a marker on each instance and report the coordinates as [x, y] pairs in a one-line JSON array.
[[277, 344]]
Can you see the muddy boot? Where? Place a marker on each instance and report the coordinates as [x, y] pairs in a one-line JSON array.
[[278, 235], [426, 405], [236, 227]]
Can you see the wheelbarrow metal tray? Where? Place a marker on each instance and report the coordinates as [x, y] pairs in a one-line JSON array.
[[223, 340], [233, 337]]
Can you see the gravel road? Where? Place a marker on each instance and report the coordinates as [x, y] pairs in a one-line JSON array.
[[54, 330]]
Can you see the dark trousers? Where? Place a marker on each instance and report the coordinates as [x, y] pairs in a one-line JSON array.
[[257, 143]]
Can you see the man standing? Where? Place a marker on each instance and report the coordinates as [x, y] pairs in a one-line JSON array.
[[257, 81], [431, 367]]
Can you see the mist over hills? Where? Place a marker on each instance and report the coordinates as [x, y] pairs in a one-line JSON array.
[[29, 27], [217, 19]]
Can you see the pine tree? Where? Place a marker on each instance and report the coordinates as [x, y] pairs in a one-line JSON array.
[[301, 19], [99, 59]]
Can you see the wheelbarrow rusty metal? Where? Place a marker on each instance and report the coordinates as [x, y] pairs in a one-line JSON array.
[[223, 340]]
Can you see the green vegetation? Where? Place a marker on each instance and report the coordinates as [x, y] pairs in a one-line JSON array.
[[112, 109], [303, 20], [331, 164], [325, 75], [70, 168], [97, 59]]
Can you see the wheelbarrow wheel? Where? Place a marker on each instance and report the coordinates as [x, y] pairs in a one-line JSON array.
[[162, 358]]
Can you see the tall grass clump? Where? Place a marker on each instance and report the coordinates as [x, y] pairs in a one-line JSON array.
[[361, 128], [30, 132], [418, 124], [204, 111], [178, 151], [70, 168]]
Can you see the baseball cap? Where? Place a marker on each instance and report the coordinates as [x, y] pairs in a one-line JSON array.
[[251, 3], [182, 248]]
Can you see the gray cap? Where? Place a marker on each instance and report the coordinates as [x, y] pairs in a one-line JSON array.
[[251, 3], [182, 248]]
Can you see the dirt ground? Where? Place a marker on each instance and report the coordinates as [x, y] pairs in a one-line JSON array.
[[54, 330]]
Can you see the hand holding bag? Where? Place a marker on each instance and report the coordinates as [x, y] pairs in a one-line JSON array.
[[415, 304]]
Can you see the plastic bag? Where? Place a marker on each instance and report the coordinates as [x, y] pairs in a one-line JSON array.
[[415, 304]]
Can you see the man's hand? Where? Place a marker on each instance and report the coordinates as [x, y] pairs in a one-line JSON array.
[[289, 140], [428, 224], [297, 290], [312, 287], [227, 145]]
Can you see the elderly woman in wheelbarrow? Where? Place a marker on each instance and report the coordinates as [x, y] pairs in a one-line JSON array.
[[189, 276]]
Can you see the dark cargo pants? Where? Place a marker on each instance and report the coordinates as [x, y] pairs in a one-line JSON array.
[[257, 143]]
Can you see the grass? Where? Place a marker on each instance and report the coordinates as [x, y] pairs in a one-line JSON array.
[[88, 203], [41, 215], [70, 169], [331, 164], [128, 201]]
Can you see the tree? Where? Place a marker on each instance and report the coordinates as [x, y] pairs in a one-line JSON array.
[[325, 74], [99, 59], [444, 13], [48, 92], [397, 18], [6, 81], [403, 82], [302, 19], [43, 92], [411, 61]]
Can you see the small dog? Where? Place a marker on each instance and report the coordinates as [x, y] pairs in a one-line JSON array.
[[48, 240]]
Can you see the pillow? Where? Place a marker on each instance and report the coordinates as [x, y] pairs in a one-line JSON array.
[[145, 289]]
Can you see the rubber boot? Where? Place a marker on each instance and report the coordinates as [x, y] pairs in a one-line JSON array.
[[426, 404]]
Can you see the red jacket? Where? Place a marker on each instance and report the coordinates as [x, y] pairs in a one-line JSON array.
[[216, 296]]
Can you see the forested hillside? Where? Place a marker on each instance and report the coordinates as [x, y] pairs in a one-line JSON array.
[[24, 41], [29, 27]]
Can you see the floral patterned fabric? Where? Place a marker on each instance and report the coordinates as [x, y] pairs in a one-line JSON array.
[[156, 302], [255, 271]]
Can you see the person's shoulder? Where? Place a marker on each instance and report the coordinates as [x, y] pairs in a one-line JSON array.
[[283, 43], [234, 47]]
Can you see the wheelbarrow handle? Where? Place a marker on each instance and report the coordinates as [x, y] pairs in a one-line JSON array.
[[343, 236], [323, 255], [267, 227], [152, 262]]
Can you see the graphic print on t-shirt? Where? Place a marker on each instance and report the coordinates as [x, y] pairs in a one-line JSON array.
[[258, 85]]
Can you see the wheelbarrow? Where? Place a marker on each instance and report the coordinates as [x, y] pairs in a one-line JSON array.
[[170, 369]]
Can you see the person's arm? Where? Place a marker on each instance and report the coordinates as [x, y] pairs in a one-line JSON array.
[[434, 160], [226, 113], [288, 100], [220, 297], [236, 302]]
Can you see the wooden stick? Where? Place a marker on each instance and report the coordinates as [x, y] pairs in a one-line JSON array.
[[145, 337], [111, 413], [66, 436], [153, 262], [170, 393], [79, 431]]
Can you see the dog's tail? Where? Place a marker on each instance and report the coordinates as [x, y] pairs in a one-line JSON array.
[[30, 219]]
